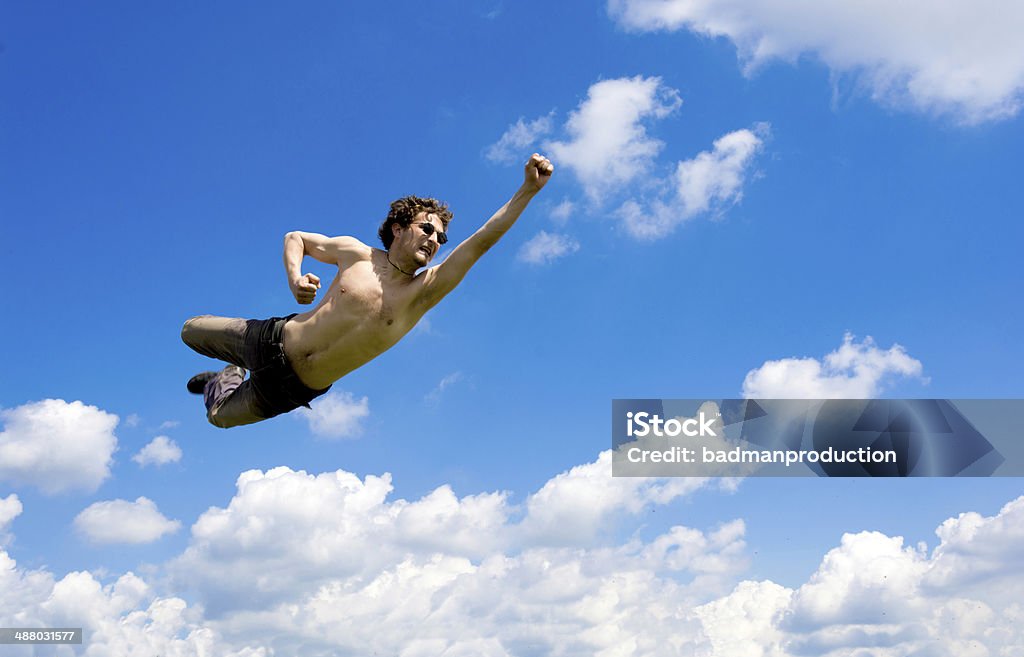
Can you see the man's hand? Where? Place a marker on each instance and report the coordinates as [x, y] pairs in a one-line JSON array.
[[538, 172], [304, 288]]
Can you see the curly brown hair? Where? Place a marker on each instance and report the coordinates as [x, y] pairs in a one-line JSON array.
[[405, 209]]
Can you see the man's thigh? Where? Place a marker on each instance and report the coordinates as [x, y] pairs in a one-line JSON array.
[[237, 407], [222, 338]]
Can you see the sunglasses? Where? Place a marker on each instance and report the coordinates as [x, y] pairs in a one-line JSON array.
[[430, 229]]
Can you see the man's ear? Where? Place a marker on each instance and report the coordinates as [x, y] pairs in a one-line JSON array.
[[396, 229]]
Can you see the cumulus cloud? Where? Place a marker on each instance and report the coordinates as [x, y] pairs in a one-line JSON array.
[[160, 451], [980, 554], [520, 137], [963, 59], [746, 621], [332, 526], [608, 144], [572, 507], [10, 508], [716, 176], [853, 371], [545, 247], [327, 564], [124, 617], [337, 415], [121, 521], [57, 446], [709, 182], [874, 595]]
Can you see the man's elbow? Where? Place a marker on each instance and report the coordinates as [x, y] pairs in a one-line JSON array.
[[293, 241]]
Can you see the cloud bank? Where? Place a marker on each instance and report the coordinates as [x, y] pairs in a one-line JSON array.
[[327, 564], [959, 59]]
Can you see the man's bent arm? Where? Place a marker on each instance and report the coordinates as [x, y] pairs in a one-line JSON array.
[[330, 250], [443, 278]]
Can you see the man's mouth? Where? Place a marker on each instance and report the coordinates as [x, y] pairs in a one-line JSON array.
[[426, 251]]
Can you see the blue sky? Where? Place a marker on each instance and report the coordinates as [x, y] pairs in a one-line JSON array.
[[739, 194]]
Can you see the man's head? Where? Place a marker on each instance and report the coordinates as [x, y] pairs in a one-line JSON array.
[[405, 211]]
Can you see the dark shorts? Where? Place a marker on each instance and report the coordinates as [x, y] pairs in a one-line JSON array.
[[275, 386], [255, 345]]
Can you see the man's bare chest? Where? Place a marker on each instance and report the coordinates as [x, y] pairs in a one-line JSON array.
[[360, 294]]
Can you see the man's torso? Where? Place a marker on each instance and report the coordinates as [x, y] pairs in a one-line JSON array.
[[361, 316]]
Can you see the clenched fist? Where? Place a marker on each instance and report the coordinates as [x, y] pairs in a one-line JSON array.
[[538, 172], [304, 288]]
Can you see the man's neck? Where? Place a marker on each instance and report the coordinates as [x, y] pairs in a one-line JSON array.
[[398, 270]]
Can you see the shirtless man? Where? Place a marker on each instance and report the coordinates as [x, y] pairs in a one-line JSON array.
[[374, 300]]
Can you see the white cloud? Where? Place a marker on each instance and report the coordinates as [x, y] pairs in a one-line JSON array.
[[607, 148], [337, 415], [326, 564], [964, 59], [434, 396], [872, 595], [853, 371], [335, 525], [545, 247], [124, 617], [520, 137], [716, 177], [609, 145], [561, 212], [57, 446], [573, 507], [865, 581], [709, 182], [121, 521], [746, 621], [10, 508], [132, 421], [976, 551], [168, 424], [160, 451]]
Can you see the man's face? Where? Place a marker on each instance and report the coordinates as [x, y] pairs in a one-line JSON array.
[[415, 241]]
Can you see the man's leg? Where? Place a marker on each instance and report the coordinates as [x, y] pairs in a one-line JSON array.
[[222, 338], [228, 397]]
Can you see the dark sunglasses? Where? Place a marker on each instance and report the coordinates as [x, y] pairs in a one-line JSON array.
[[430, 229]]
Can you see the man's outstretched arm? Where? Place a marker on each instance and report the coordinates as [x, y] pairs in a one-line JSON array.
[[443, 278], [330, 250]]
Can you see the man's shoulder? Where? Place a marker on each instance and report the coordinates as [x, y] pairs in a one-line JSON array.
[[350, 249], [347, 242]]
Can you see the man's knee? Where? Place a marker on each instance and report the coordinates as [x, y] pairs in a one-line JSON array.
[[218, 419], [191, 329]]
